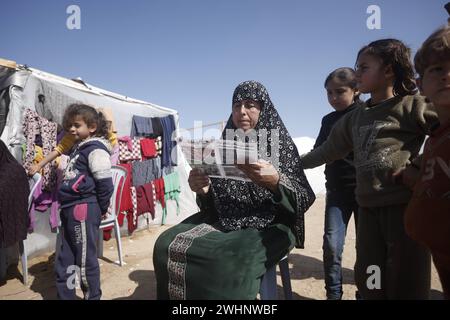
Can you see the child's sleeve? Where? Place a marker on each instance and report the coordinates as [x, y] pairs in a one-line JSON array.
[[321, 138], [100, 166], [423, 115], [338, 144], [65, 144]]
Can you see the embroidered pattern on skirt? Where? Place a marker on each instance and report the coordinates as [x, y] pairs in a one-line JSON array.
[[177, 263]]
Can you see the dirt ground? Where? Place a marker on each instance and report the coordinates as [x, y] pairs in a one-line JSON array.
[[136, 279]]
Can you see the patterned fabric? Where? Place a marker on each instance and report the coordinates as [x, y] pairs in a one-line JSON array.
[[177, 259], [146, 171], [129, 149], [244, 204], [34, 125], [132, 214]]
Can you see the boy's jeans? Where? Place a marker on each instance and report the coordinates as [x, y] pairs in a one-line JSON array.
[[336, 222]]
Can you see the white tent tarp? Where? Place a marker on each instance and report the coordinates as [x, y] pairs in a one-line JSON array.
[[49, 95]]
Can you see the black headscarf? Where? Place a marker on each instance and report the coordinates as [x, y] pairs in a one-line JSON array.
[[14, 191], [243, 204]]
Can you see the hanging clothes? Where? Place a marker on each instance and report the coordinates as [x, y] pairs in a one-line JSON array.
[[159, 192], [14, 191], [129, 149], [172, 189], [146, 199], [115, 155], [169, 158], [32, 214], [146, 171], [34, 125], [141, 127], [158, 143], [148, 148], [43, 200], [126, 204], [132, 214], [157, 127]]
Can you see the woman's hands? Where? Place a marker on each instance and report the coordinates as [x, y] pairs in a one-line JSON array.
[[262, 173], [199, 181]]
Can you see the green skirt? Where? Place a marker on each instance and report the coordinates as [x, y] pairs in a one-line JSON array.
[[194, 260]]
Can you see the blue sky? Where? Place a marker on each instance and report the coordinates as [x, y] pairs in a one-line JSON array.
[[190, 54]]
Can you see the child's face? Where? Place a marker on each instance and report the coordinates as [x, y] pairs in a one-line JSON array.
[[371, 74], [80, 130], [339, 96], [435, 84]]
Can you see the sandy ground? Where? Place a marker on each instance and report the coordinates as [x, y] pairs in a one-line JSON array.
[[136, 279]]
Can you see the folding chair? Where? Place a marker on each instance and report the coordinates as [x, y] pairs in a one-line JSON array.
[[119, 175]]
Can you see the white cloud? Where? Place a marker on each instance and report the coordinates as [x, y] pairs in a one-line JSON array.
[[316, 176]]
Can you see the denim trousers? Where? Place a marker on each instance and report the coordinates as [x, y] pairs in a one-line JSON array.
[[337, 217]]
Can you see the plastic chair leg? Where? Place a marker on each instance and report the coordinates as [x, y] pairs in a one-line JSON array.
[[285, 278], [268, 289], [24, 258], [118, 240]]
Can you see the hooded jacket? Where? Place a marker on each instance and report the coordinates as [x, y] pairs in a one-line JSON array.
[[87, 178]]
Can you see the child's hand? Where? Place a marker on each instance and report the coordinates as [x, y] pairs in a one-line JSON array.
[[33, 169], [407, 176]]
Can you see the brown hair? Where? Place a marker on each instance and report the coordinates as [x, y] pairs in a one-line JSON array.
[[396, 54], [89, 115], [436, 48], [347, 77]]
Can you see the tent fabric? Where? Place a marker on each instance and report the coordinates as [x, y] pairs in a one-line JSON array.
[[50, 95]]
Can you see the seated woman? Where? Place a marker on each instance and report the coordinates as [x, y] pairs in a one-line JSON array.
[[243, 228]]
